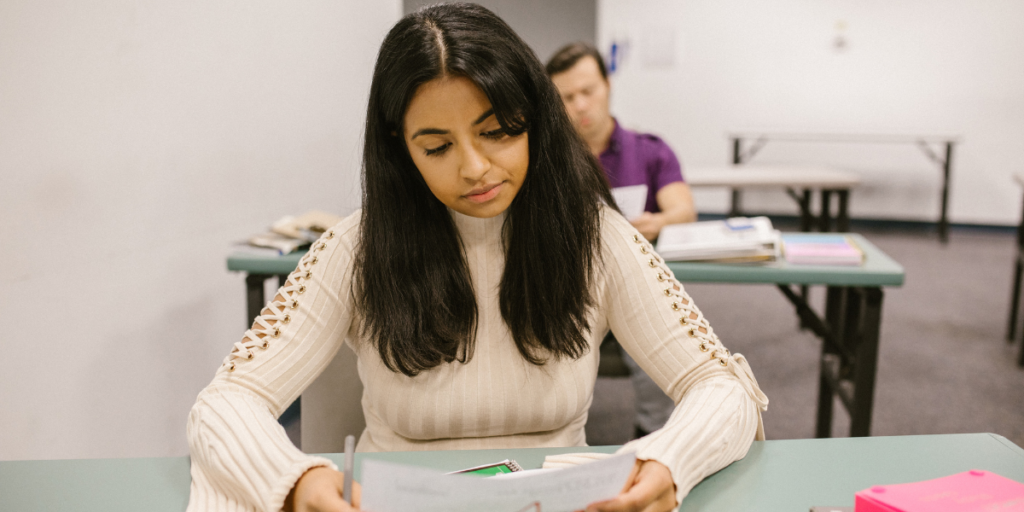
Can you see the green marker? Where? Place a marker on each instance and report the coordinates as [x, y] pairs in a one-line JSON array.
[[497, 468]]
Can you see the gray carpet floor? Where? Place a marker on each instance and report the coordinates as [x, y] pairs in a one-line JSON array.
[[944, 364]]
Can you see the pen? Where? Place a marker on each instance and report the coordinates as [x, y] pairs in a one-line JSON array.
[[350, 448]]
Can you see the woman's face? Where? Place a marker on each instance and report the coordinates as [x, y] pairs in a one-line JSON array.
[[458, 146]]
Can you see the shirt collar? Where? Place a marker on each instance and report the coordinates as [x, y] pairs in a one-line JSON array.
[[475, 230], [615, 141]]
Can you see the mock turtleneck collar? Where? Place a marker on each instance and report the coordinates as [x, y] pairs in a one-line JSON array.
[[475, 230]]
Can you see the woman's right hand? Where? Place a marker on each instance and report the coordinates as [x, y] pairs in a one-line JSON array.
[[320, 490]]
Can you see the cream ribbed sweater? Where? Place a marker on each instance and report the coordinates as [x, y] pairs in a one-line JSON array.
[[242, 459]]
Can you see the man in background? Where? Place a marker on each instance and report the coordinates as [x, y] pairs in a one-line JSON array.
[[628, 158]]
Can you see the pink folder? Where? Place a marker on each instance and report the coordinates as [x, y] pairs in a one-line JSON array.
[[823, 254], [971, 491]]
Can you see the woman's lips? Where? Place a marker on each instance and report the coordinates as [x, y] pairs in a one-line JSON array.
[[484, 194]]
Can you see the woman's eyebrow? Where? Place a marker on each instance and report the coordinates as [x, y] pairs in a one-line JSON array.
[[437, 131], [484, 116], [428, 131]]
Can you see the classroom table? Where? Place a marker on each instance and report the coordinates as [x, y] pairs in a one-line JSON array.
[[805, 178], [799, 182], [775, 476], [1018, 274], [849, 330], [742, 153]]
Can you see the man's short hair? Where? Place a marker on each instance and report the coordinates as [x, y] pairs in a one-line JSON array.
[[570, 54]]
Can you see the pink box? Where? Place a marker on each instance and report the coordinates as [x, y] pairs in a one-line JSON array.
[[805, 253], [971, 491]]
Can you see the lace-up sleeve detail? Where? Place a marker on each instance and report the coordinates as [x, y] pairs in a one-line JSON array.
[[718, 402], [690, 317], [242, 459], [277, 315]]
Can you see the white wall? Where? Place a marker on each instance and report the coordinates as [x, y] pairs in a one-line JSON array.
[[137, 139], [545, 25], [916, 66]]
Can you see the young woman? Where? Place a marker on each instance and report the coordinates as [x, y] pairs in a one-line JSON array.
[[475, 287]]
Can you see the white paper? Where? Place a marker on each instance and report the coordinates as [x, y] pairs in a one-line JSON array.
[[736, 237], [388, 487], [631, 200]]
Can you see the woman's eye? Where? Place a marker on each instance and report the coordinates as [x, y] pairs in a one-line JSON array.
[[438, 150], [494, 134]]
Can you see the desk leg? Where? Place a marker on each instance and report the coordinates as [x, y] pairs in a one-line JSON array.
[[947, 166], [1017, 275], [806, 220], [843, 216], [1018, 270], [737, 159], [833, 312], [849, 352], [867, 363], [803, 200], [823, 426], [805, 294], [1017, 282], [1020, 358], [254, 300], [734, 205], [825, 218], [806, 217]]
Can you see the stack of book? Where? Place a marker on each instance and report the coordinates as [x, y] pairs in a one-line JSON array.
[[738, 240], [288, 234], [821, 250]]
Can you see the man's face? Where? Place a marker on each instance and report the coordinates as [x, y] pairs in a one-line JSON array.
[[585, 94]]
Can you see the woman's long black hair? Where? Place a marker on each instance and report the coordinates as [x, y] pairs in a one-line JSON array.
[[412, 283]]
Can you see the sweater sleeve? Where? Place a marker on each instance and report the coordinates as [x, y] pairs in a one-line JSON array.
[[718, 402], [242, 459]]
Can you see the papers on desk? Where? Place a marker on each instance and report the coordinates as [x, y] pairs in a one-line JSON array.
[[631, 200], [388, 487], [289, 234], [274, 242], [739, 239]]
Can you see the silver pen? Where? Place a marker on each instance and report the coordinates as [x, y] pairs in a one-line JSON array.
[[350, 448]]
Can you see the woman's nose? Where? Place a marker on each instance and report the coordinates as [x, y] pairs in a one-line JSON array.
[[474, 163]]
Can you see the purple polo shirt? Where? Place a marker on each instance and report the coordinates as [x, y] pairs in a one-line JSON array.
[[640, 159]]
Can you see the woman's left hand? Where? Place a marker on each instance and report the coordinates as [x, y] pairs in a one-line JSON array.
[[649, 488]]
